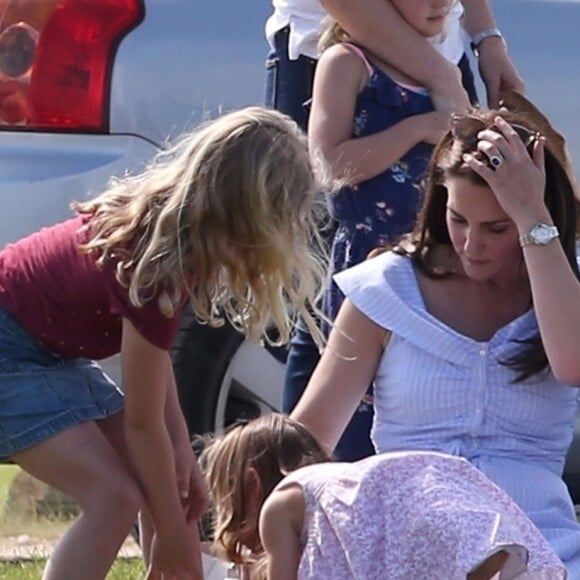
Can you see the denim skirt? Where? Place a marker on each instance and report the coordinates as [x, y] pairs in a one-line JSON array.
[[42, 394]]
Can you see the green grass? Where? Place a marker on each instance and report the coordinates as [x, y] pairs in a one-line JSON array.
[[46, 529], [7, 474], [32, 570]]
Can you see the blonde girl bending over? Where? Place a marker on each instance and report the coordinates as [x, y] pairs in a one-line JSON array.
[[224, 220]]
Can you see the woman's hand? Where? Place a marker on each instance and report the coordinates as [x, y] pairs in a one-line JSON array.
[[518, 179]]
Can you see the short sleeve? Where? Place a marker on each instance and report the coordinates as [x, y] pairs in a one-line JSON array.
[[385, 289], [149, 321], [380, 288]]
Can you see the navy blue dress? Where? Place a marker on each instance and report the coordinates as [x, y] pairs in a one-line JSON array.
[[377, 211]]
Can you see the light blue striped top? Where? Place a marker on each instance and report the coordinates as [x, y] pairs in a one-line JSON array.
[[439, 390]]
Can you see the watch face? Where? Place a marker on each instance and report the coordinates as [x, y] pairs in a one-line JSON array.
[[543, 233]]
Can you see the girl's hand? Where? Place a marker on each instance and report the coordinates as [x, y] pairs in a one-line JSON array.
[[176, 557], [448, 93], [190, 483], [518, 181], [434, 125]]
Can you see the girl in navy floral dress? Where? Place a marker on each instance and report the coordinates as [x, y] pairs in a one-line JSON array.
[[376, 128]]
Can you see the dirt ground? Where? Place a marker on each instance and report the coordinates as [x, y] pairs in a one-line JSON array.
[[25, 547]]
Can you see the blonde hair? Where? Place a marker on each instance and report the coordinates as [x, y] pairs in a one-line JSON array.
[[274, 445], [331, 33], [230, 215]]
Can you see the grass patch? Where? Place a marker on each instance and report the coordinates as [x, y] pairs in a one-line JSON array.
[[132, 569], [14, 526], [7, 474]]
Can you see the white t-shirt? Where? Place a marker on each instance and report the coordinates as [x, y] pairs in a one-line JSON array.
[[304, 17]]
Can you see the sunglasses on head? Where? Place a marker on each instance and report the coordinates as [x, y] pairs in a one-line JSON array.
[[467, 127]]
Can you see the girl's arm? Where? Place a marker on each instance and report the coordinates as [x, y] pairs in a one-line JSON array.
[[339, 77], [190, 481], [281, 521], [341, 378], [496, 69], [144, 366], [377, 25]]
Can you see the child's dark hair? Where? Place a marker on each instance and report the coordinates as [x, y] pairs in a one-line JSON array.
[[273, 445]]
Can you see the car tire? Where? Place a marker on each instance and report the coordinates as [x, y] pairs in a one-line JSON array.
[[202, 358]]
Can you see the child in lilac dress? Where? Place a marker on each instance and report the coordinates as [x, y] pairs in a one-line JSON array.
[[284, 510]]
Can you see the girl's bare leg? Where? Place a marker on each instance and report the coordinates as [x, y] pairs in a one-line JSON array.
[[113, 429], [83, 464]]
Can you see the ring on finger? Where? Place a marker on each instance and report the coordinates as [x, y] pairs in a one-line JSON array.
[[496, 160]]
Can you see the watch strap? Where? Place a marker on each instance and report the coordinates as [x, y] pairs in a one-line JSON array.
[[531, 239], [479, 37]]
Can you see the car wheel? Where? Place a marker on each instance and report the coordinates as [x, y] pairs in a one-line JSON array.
[[221, 377]]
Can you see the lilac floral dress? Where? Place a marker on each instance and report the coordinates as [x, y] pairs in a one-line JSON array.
[[410, 516], [377, 211]]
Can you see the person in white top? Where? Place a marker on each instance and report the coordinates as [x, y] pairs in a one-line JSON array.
[[292, 32]]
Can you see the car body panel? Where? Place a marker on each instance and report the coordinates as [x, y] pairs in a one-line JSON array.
[[41, 174], [165, 84]]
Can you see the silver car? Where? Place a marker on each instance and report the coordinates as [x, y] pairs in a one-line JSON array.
[[89, 90]]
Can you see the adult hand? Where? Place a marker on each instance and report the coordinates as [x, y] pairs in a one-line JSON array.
[[497, 70], [518, 180]]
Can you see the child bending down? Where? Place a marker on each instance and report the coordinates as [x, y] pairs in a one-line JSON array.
[[224, 220], [282, 509]]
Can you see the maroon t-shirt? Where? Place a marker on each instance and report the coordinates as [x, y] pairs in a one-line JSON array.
[[69, 305]]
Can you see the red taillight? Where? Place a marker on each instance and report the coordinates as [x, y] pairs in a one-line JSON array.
[[68, 85]]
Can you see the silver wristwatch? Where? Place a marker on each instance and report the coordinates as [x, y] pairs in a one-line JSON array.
[[478, 38], [539, 235]]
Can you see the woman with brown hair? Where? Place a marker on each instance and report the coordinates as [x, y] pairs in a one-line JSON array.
[[470, 327]]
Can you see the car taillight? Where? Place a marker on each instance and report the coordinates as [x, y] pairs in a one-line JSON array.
[[56, 59]]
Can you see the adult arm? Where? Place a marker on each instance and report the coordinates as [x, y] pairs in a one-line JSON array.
[[281, 521], [331, 118], [377, 25], [341, 378], [519, 188], [176, 550], [495, 66]]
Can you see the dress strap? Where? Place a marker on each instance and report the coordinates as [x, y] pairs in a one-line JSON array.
[[361, 53]]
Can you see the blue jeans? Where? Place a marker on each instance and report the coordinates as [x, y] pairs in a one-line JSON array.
[[288, 82], [355, 442], [288, 86]]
